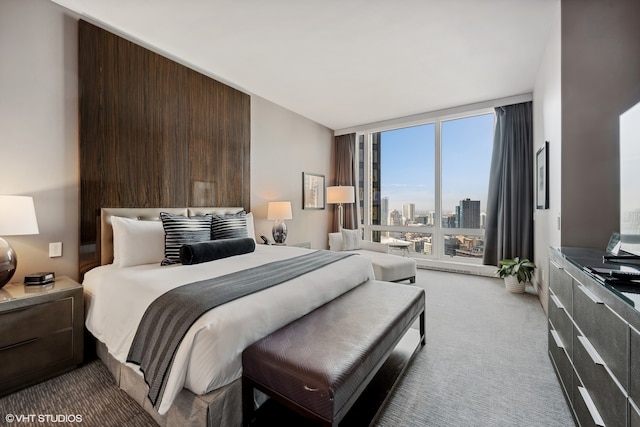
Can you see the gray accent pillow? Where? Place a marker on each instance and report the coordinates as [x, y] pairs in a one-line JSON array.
[[180, 230], [231, 226]]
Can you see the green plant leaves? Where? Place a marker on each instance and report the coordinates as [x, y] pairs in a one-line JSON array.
[[521, 269]]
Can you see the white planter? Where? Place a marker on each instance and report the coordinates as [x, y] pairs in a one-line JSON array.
[[512, 285]]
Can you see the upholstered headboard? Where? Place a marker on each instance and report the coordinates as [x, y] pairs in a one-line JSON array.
[[145, 214]]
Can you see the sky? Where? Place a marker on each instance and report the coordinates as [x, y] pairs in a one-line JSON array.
[[408, 163]]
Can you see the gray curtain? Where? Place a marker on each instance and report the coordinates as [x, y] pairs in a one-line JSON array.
[[345, 146], [510, 203]]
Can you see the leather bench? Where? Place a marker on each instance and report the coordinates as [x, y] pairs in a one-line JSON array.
[[319, 364]]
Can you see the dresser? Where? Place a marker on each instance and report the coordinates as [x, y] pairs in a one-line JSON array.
[[594, 339], [41, 332]]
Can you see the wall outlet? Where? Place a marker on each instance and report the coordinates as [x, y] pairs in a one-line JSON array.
[[55, 249]]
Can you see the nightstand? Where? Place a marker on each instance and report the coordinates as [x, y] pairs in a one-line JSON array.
[[41, 332]]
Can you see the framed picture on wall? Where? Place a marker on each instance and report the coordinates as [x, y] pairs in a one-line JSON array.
[[312, 191], [542, 177]]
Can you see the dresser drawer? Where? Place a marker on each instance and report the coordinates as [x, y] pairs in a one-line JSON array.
[[609, 400], [561, 284], [35, 321], [561, 322], [634, 415], [584, 409], [634, 357], [606, 331], [36, 354], [561, 363]]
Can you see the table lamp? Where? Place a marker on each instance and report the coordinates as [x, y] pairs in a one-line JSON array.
[[278, 212], [340, 194], [17, 217]]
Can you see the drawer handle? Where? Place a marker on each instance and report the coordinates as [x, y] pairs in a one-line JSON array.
[[590, 294], [557, 302], [18, 344], [559, 267], [592, 351], [557, 339], [597, 419], [634, 407]]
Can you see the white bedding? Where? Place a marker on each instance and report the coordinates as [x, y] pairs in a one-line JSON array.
[[209, 356]]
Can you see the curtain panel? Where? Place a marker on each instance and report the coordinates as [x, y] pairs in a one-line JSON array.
[[510, 202], [344, 155]]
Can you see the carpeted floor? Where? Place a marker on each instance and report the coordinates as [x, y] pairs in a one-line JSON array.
[[485, 364]]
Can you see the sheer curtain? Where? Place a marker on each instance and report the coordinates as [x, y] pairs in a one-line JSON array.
[[510, 203], [344, 150]]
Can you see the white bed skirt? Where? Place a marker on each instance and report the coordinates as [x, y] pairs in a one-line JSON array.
[[221, 407]]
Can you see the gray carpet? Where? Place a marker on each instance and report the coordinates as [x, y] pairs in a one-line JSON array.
[[485, 364], [89, 391]]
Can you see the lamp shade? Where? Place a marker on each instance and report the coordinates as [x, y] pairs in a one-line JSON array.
[[341, 194], [279, 210], [17, 216]]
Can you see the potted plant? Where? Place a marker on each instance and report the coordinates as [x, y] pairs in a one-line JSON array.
[[516, 273]]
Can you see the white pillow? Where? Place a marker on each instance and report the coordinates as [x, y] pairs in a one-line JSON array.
[[335, 241], [350, 239], [251, 231], [137, 242]]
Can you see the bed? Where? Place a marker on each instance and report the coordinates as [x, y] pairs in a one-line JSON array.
[[203, 386]]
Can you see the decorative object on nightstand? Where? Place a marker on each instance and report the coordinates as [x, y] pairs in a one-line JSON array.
[[340, 194], [278, 212], [17, 217]]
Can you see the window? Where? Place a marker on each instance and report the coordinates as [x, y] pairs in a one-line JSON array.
[[425, 186]]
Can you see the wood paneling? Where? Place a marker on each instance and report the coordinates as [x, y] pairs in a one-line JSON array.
[[154, 133]]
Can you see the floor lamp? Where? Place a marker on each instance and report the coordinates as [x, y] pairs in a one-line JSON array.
[[340, 194]]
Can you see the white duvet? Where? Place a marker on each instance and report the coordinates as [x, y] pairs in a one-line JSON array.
[[209, 357]]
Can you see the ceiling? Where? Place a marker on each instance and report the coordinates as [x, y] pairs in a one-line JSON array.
[[344, 63]]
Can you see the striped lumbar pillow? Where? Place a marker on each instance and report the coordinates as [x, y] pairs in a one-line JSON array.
[[229, 226], [180, 230]]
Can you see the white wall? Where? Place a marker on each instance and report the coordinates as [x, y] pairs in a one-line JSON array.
[[283, 145], [547, 127], [39, 128]]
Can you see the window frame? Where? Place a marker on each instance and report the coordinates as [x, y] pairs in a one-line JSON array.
[[438, 232]]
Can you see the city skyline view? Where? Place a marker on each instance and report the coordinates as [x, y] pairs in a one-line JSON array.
[[408, 164]]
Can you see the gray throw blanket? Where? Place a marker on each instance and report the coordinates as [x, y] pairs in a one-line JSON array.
[[170, 316]]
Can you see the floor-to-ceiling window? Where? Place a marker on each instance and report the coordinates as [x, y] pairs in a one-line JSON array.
[[423, 187]]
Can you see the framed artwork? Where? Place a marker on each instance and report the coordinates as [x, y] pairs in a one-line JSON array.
[[542, 177], [312, 191]]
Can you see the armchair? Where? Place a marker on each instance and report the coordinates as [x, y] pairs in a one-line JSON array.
[[386, 266]]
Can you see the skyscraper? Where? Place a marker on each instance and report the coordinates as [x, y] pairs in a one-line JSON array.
[[384, 211], [395, 218], [468, 213], [408, 212]]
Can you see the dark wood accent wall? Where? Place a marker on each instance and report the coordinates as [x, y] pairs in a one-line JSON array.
[[154, 133]]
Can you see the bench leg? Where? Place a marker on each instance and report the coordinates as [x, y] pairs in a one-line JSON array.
[[247, 402], [412, 279], [422, 328]]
